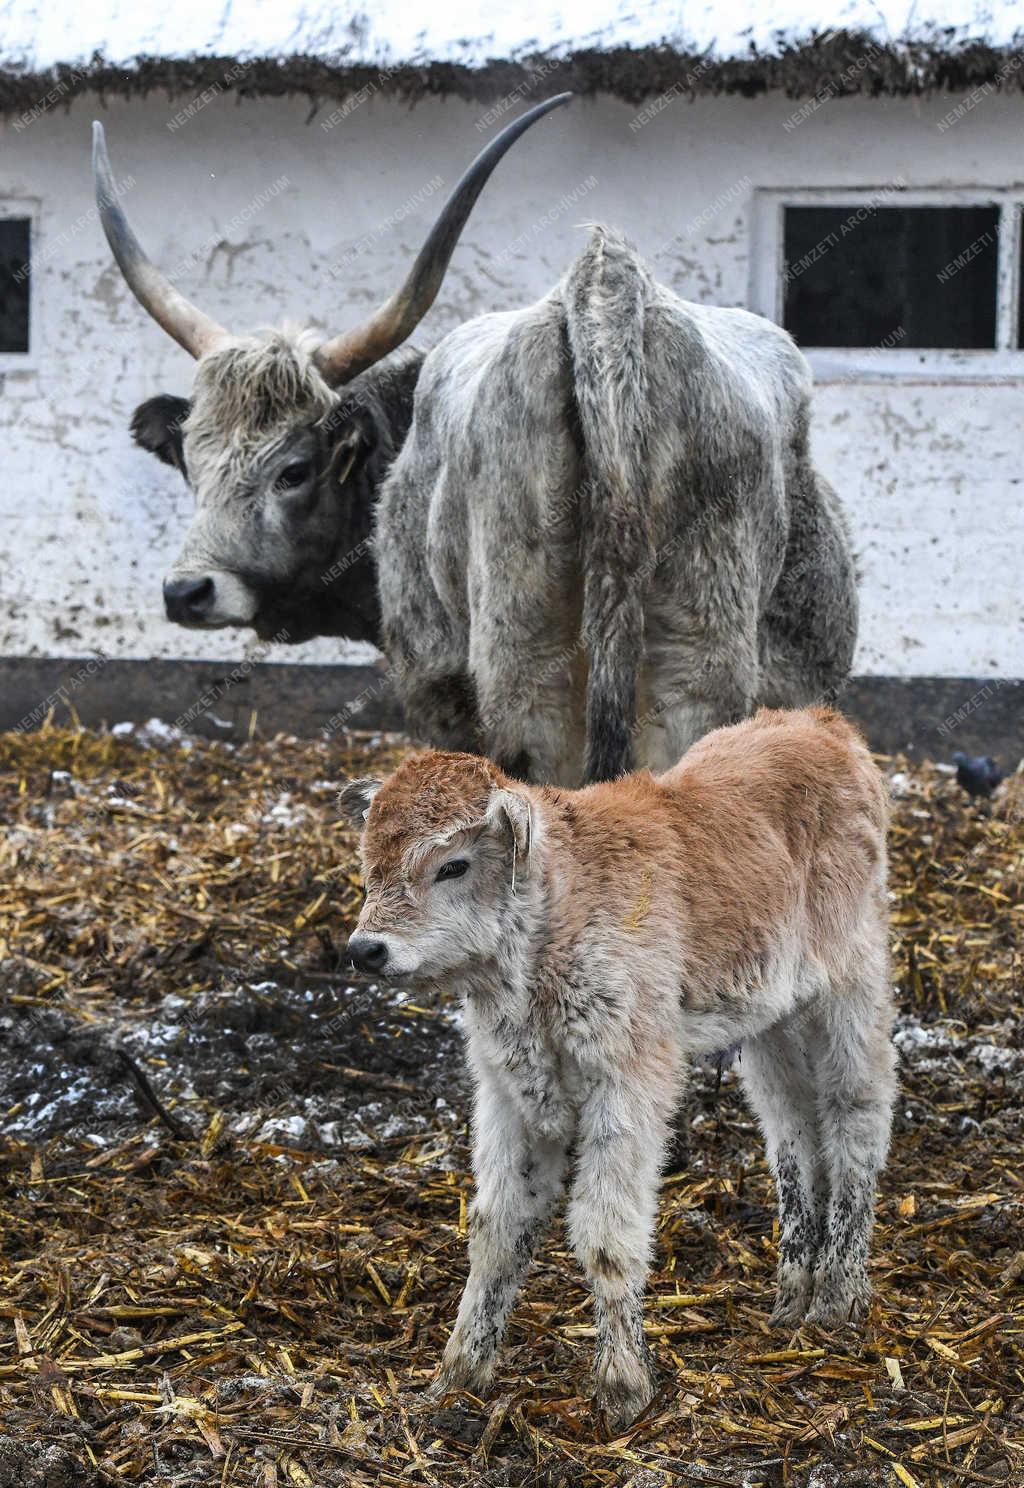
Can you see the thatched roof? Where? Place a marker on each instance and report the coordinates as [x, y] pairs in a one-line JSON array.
[[48, 54]]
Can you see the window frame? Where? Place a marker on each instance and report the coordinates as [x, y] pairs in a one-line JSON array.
[[22, 208], [1004, 362]]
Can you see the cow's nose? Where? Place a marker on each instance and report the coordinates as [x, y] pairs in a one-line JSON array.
[[366, 952], [188, 601]]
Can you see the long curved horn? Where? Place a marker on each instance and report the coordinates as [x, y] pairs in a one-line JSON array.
[[341, 358], [181, 319]]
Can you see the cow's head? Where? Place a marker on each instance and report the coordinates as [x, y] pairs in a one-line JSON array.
[[285, 437], [284, 470]]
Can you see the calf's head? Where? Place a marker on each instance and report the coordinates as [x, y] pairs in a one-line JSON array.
[[446, 848], [281, 447]]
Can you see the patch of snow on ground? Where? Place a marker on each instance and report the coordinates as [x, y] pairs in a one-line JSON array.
[[910, 1037], [155, 732], [991, 1057], [279, 1127], [35, 1113], [286, 812]]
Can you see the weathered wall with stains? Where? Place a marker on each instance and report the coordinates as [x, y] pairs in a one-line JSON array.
[[264, 214]]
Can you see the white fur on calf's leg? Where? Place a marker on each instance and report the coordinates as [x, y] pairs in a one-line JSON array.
[[856, 1079], [519, 1180], [779, 1083], [623, 1130]]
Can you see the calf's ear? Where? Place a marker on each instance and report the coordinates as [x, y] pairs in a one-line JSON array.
[[156, 426], [355, 798], [509, 811]]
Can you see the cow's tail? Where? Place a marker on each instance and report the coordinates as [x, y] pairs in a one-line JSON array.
[[607, 294]]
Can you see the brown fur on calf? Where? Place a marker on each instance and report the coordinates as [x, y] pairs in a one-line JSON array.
[[601, 936]]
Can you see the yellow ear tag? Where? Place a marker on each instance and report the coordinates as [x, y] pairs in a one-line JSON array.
[[343, 473]]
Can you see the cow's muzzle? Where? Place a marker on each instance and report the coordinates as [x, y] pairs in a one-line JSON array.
[[209, 599], [189, 601]]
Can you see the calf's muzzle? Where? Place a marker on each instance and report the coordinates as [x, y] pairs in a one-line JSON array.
[[367, 953]]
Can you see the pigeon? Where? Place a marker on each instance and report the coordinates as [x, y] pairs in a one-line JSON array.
[[979, 774]]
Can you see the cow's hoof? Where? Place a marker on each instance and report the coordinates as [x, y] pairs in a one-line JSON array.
[[788, 1313]]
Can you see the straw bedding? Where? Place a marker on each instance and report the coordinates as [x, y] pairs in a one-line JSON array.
[[235, 1179]]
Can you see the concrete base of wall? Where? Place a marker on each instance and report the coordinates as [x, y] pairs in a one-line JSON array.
[[926, 717]]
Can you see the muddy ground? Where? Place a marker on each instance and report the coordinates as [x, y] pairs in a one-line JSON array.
[[235, 1179]]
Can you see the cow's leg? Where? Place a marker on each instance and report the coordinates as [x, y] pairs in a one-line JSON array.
[[622, 1137], [428, 656], [701, 665], [529, 677], [856, 1086], [425, 639], [689, 693], [809, 628], [779, 1081], [440, 706], [519, 1179]]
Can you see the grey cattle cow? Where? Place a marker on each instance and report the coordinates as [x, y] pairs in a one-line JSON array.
[[573, 527]]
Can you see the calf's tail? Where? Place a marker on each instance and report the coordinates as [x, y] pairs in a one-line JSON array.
[[607, 292]]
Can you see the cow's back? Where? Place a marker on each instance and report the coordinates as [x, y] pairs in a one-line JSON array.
[[490, 457], [598, 479], [495, 458]]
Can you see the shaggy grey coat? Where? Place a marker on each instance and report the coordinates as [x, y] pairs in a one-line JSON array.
[[604, 530]]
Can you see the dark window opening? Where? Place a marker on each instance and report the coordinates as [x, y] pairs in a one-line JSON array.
[[15, 269], [891, 276]]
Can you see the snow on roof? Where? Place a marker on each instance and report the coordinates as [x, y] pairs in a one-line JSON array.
[[52, 50], [387, 33]]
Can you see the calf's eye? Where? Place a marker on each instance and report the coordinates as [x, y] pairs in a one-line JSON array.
[[453, 869]]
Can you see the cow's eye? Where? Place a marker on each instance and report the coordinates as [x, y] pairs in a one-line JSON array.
[[295, 474], [453, 869]]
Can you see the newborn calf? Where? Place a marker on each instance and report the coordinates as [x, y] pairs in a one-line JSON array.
[[602, 937]]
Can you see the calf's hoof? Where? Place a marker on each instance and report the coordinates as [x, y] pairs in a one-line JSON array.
[[839, 1301], [788, 1312], [795, 1287], [457, 1372], [624, 1388]]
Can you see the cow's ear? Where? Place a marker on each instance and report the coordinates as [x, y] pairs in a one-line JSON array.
[[156, 426], [355, 798], [351, 444]]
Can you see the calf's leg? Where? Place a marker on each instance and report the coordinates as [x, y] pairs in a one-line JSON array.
[[623, 1131], [856, 1086], [778, 1077], [519, 1180]]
